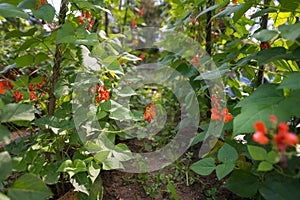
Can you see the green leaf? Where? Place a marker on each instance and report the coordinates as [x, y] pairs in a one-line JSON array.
[[66, 166], [40, 57], [263, 102], [257, 153], [80, 182], [96, 190], [101, 156], [112, 163], [269, 55], [50, 174], [61, 89], [8, 10], [291, 82], [265, 35], [207, 10], [18, 33], [65, 34], [27, 4], [282, 188], [113, 66], [29, 187], [291, 103], [24, 60], [224, 169], [17, 112], [101, 114], [5, 165], [273, 157], [238, 14], [119, 112], [126, 92], [229, 10], [290, 32], [263, 12], [204, 166], [94, 170], [242, 183], [4, 134], [45, 12], [130, 57], [172, 189], [28, 43], [227, 154], [265, 166]]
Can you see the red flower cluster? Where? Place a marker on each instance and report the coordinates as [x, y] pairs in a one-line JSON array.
[[141, 12], [217, 115], [150, 112], [18, 96], [260, 135], [264, 45], [33, 86], [283, 138], [5, 84], [142, 56], [193, 22], [102, 93], [133, 23], [86, 16], [195, 61]]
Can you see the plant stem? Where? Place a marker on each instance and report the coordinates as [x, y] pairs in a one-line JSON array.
[[263, 25], [125, 16], [57, 61], [208, 44]]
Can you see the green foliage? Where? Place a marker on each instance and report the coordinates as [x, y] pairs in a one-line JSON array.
[[74, 135], [29, 186]]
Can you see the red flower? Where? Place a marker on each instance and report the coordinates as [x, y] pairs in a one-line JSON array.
[[260, 127], [32, 95], [5, 84], [80, 20], [284, 139], [2, 86], [43, 82], [227, 116], [215, 114], [103, 93], [91, 22], [140, 11], [260, 138], [283, 128], [122, 63], [142, 56], [31, 87], [264, 45], [40, 86], [43, 2], [87, 15], [18, 96], [195, 61], [273, 119], [150, 112], [147, 115], [82, 14], [133, 23]]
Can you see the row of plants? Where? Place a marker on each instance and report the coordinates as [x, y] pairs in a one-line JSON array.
[[64, 73]]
